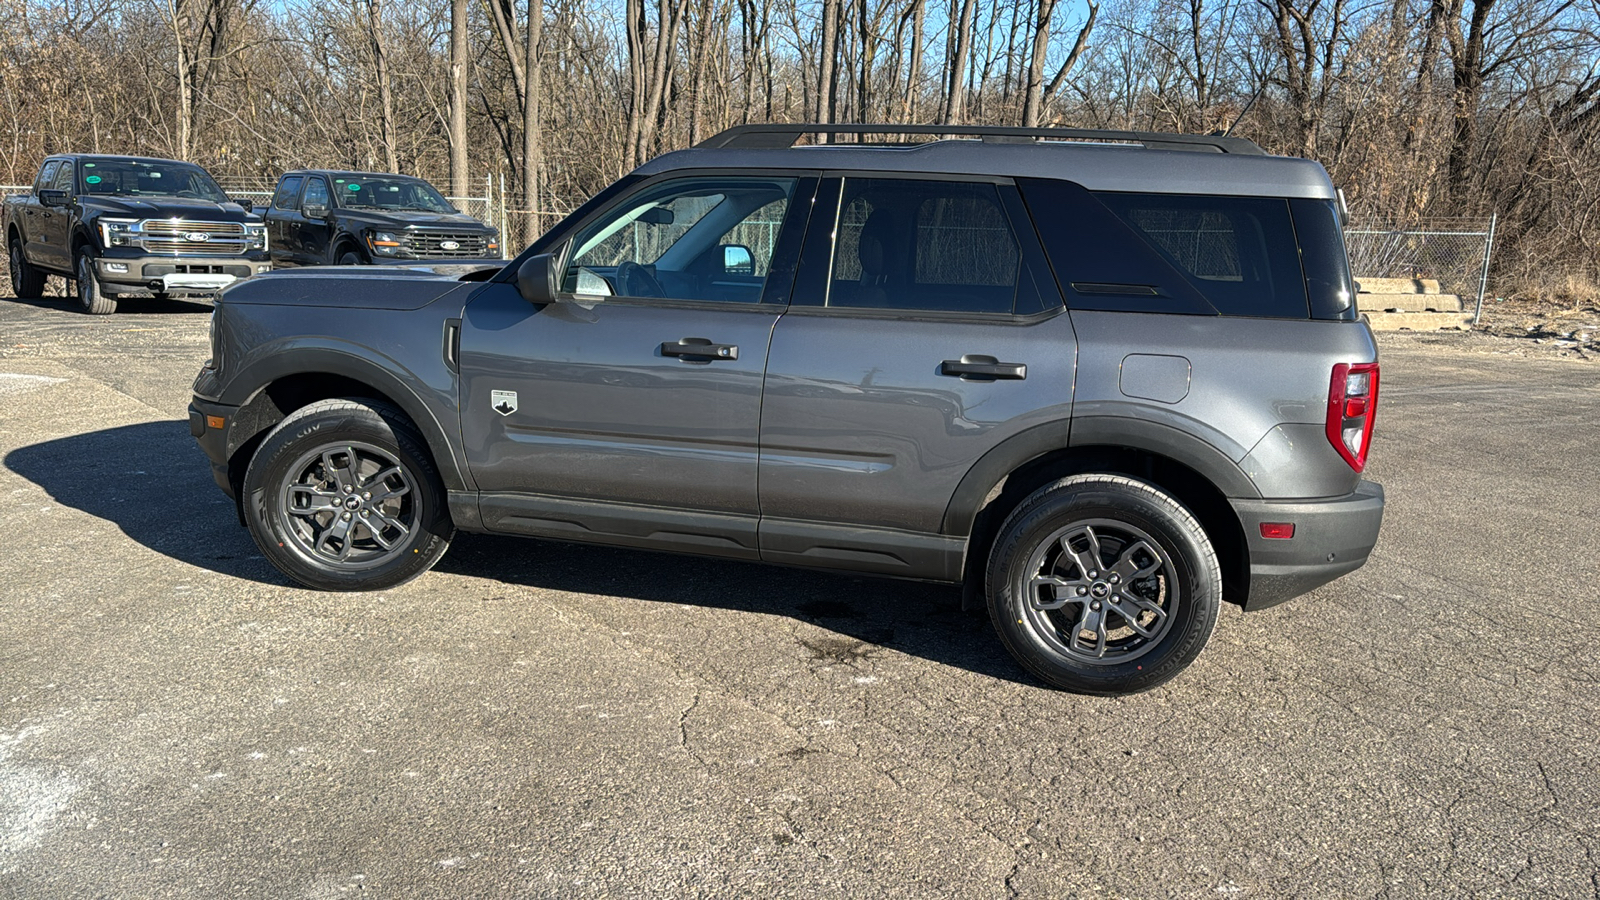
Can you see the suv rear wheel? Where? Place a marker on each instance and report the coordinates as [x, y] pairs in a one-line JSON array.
[[342, 495], [1103, 584]]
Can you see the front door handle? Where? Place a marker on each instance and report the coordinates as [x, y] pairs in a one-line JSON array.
[[983, 368], [699, 350]]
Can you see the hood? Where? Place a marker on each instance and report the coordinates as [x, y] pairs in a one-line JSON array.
[[373, 218], [165, 208], [359, 287]]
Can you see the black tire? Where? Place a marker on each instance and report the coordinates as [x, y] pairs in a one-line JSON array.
[[353, 461], [26, 281], [351, 258], [1145, 552], [91, 298]]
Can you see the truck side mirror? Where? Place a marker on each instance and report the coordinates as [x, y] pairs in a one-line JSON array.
[[50, 197], [245, 203], [315, 212], [536, 279]]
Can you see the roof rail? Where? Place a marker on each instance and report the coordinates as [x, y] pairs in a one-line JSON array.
[[773, 137]]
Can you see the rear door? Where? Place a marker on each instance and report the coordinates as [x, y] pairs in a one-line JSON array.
[[633, 417], [924, 330], [283, 220]]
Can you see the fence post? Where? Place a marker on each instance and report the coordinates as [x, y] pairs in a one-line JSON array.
[[1483, 277]]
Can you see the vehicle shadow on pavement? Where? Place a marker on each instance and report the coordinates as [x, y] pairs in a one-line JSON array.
[[923, 620], [151, 481], [57, 298]]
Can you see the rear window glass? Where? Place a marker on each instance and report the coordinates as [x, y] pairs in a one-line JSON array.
[[1239, 252]]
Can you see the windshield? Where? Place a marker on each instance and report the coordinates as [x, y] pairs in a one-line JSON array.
[[143, 178], [356, 192]]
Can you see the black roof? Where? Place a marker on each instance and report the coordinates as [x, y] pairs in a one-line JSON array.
[[347, 173]]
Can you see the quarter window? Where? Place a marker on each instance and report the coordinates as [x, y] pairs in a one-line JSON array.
[[689, 239], [938, 246]]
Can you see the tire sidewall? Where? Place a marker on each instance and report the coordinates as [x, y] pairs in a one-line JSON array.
[[313, 426], [91, 298], [1174, 531]]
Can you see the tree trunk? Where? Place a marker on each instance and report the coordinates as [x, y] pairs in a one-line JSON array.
[[825, 61], [955, 107], [380, 59], [532, 143], [458, 98]]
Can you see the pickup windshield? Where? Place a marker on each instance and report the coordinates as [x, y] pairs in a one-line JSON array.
[[144, 178], [355, 192]]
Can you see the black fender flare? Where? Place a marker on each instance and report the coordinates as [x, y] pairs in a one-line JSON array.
[[347, 361], [1089, 431]]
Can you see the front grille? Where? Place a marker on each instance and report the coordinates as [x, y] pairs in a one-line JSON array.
[[178, 238], [425, 244]]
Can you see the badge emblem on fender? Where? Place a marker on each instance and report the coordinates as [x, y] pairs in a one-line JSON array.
[[504, 402]]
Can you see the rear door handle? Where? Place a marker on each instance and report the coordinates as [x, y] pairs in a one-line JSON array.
[[983, 368], [699, 350]]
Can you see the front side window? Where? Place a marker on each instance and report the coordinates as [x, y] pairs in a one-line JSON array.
[[316, 195], [47, 175], [288, 188], [709, 238], [937, 246], [64, 178]]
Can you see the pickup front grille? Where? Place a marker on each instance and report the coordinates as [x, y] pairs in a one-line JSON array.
[[427, 244], [194, 238]]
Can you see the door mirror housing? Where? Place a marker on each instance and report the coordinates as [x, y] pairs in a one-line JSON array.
[[315, 212], [536, 278], [50, 197], [245, 203]]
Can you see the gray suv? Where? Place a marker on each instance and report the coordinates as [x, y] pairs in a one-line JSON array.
[[1104, 380]]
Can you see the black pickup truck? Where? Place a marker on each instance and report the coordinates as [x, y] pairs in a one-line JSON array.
[[320, 217], [124, 226]]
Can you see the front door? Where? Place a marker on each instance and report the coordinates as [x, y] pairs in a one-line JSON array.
[[283, 221], [315, 231], [632, 416]]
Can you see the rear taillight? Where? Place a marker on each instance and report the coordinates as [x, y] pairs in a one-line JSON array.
[[1352, 406]]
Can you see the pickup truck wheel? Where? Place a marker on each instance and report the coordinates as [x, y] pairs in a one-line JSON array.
[[343, 496], [93, 300], [352, 258], [1103, 584], [26, 281]]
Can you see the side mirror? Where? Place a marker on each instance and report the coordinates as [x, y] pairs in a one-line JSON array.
[[536, 279], [315, 212], [737, 260], [245, 203], [48, 197]]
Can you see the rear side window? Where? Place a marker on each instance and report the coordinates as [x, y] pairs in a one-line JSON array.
[[938, 246], [1239, 252], [288, 189]]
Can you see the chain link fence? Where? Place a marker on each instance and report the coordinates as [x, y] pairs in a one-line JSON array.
[[1452, 251]]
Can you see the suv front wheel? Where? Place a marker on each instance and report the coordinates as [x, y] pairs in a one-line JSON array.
[[1103, 584], [343, 496]]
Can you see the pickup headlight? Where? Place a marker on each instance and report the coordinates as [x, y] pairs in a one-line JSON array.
[[384, 243], [255, 237], [494, 244], [119, 232]]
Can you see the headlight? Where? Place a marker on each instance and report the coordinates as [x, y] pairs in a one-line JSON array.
[[119, 232], [494, 243], [384, 243], [255, 237]]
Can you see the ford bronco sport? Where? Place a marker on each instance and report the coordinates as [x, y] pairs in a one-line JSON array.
[[1105, 380]]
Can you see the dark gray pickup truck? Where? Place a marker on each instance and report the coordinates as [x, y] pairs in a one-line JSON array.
[[1104, 380], [125, 226]]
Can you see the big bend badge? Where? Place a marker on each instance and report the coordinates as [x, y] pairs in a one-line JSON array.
[[504, 402]]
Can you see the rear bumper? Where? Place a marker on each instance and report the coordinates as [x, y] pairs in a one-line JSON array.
[[1332, 537]]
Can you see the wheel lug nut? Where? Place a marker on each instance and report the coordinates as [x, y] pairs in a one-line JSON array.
[[366, 495], [1094, 606], [1116, 579], [1094, 574], [364, 514], [1114, 600], [1082, 591], [347, 516]]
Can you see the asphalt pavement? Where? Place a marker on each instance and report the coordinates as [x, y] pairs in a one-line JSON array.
[[537, 719]]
